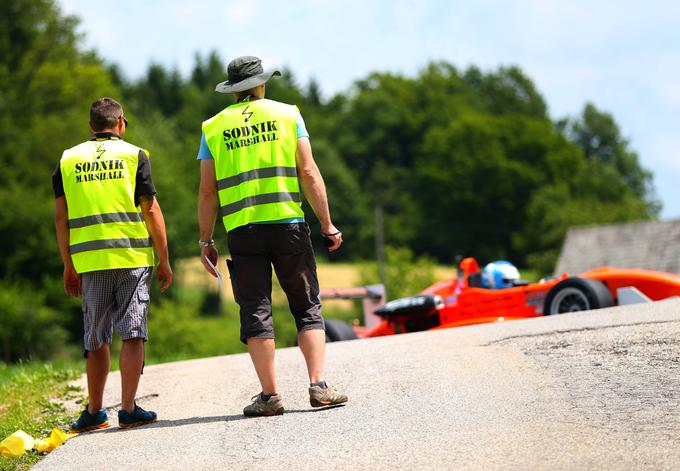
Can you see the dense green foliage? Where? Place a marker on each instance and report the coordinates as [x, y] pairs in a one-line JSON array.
[[48, 84], [28, 328], [460, 162]]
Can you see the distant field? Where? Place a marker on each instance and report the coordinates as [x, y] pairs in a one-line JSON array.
[[190, 273]]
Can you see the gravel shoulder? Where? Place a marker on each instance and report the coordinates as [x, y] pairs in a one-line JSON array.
[[587, 390]]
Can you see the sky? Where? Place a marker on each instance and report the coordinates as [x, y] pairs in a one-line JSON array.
[[623, 56]]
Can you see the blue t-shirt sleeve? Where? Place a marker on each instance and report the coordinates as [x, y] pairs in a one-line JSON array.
[[301, 128], [204, 151]]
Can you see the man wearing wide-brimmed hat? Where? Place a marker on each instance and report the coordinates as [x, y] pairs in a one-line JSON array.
[[255, 156]]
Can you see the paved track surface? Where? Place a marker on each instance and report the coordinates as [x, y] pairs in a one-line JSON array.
[[595, 390]]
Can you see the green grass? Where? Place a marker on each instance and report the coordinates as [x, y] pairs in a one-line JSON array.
[[530, 274], [27, 392]]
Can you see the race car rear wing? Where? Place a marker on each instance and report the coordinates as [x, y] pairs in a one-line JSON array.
[[373, 296]]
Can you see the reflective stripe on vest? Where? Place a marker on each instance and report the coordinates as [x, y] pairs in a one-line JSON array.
[[110, 244], [255, 174], [253, 145], [106, 229], [103, 218], [249, 201]]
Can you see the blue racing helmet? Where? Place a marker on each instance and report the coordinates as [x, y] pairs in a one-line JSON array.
[[499, 274]]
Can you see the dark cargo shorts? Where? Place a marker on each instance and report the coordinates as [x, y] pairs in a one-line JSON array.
[[254, 249]]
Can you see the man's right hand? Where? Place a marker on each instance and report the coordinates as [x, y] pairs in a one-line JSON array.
[[212, 255], [71, 282], [333, 235]]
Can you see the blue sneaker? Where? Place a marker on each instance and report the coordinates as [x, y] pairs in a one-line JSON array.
[[135, 418], [88, 422]]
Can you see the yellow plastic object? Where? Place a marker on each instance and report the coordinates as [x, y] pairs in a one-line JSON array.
[[19, 442], [57, 438], [16, 444]]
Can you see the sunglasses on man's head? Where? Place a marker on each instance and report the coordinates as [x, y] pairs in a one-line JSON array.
[[124, 120]]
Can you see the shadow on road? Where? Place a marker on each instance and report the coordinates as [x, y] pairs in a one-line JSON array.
[[178, 423], [318, 409], [196, 420], [210, 419]]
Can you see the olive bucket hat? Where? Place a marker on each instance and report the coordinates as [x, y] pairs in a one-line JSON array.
[[244, 73]]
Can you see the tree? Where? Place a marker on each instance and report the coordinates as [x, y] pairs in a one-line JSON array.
[[48, 85], [480, 172], [507, 91], [160, 90], [599, 136], [592, 196], [605, 185]]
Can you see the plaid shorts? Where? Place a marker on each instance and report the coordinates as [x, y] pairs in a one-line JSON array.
[[115, 298]]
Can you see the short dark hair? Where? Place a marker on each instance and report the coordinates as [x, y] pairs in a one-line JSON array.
[[104, 113]]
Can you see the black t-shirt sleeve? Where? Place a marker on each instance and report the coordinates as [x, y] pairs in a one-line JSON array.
[[143, 182], [58, 182]]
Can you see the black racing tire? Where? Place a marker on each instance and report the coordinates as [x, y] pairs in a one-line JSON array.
[[337, 331], [576, 294]]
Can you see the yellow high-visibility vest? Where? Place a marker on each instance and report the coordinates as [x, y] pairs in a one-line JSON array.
[[106, 229], [254, 144]]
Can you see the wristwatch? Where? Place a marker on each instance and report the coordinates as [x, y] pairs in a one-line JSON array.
[[206, 243]]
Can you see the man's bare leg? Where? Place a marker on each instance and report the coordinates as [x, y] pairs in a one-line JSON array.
[[131, 361], [313, 345], [97, 365], [262, 353]]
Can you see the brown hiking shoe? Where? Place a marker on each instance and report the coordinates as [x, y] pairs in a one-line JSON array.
[[273, 406], [319, 397]]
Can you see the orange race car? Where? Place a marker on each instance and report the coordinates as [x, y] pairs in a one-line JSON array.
[[464, 301]]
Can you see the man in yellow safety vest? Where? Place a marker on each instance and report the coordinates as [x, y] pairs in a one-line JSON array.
[[255, 156], [107, 245]]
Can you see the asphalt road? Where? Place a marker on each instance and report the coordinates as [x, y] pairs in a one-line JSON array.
[[594, 390]]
